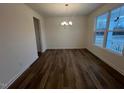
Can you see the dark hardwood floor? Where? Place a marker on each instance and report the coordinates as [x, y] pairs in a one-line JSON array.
[[65, 69]]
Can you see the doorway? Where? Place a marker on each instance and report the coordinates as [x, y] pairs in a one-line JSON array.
[[38, 35]]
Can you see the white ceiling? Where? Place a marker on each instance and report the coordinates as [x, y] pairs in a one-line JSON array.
[[59, 9]]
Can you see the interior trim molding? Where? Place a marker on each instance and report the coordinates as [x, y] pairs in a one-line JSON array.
[[17, 75], [44, 50], [116, 72], [67, 48]]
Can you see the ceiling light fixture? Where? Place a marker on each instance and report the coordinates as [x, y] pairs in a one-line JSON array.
[[67, 22]]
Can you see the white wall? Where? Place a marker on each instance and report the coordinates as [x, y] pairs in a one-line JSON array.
[[17, 40], [114, 60], [61, 37]]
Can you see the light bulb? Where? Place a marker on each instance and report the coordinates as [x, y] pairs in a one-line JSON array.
[[62, 24], [70, 22]]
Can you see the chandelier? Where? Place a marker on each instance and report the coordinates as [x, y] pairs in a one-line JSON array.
[[66, 22]]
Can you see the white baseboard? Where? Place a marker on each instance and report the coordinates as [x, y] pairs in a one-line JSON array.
[[44, 50], [110, 64], [5, 86], [69, 48], [15, 77]]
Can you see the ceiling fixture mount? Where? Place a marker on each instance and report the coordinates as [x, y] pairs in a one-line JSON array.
[[67, 22]]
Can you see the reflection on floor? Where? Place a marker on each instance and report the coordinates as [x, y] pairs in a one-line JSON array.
[[72, 68]]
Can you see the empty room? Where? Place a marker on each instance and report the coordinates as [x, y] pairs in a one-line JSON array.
[[61, 45]]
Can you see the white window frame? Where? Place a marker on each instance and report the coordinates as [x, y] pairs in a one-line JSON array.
[[106, 32]]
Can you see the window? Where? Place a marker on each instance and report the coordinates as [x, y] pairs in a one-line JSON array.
[[101, 24], [113, 34]]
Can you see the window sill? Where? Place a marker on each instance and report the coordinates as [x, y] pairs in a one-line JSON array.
[[108, 50]]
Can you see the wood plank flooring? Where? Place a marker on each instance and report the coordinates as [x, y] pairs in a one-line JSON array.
[[67, 69]]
